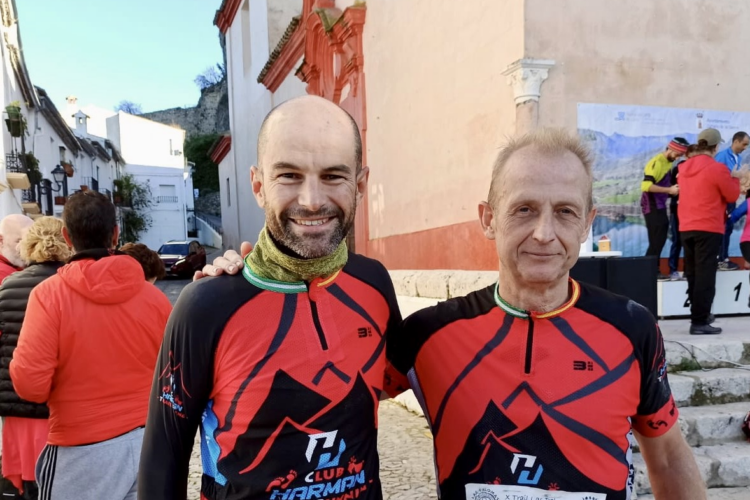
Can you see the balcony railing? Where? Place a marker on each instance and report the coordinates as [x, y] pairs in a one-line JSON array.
[[108, 194], [91, 183], [29, 195], [166, 199], [14, 163]]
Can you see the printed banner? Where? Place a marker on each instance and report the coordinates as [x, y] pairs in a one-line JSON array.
[[503, 492], [624, 139]]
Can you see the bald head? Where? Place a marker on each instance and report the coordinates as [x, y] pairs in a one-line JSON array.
[[313, 117], [12, 229]]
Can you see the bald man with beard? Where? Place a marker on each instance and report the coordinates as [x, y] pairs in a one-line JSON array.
[[12, 229]]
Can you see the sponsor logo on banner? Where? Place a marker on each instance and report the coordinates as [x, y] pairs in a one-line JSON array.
[[503, 492]]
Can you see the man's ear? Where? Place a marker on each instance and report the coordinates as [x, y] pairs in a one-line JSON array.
[[116, 237], [66, 237], [486, 218], [256, 180], [589, 221], [362, 178]]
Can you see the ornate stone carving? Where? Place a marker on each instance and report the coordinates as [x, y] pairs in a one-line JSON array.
[[526, 77]]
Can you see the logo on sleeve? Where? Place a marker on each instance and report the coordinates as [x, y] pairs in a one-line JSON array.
[[173, 389], [583, 366]]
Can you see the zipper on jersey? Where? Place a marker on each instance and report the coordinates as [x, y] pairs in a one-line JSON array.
[[318, 327], [529, 346]]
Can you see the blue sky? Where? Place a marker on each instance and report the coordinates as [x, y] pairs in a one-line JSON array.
[[104, 51]]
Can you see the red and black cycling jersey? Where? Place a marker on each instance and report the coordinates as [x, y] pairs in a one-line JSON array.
[[284, 381], [545, 401]]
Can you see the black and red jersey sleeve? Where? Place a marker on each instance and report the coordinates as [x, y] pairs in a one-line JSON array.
[[183, 381], [375, 274], [657, 411], [407, 340]]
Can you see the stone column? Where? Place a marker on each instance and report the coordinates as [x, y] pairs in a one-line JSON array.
[[526, 77]]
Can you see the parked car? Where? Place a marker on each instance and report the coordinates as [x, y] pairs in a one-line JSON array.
[[182, 258]]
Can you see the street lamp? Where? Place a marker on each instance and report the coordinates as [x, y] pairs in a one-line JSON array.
[[46, 189], [59, 174]]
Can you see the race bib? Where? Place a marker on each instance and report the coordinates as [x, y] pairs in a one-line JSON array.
[[503, 492]]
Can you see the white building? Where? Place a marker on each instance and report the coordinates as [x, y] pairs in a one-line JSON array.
[[168, 211], [253, 30], [154, 154]]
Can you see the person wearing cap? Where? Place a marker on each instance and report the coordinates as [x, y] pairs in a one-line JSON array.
[[656, 189], [706, 187], [731, 158]]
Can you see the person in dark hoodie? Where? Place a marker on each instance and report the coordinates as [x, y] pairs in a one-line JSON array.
[[706, 188], [88, 348], [25, 424]]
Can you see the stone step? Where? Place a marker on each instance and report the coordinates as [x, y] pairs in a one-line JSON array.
[[715, 494], [701, 352], [721, 466], [719, 386], [712, 425], [691, 352]]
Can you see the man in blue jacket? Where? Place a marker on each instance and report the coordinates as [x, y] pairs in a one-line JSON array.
[[731, 158]]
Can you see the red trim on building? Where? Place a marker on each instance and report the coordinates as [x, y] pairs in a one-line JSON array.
[[220, 149], [284, 64], [458, 246], [225, 15]]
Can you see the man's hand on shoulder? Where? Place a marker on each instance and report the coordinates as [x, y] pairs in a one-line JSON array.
[[229, 263]]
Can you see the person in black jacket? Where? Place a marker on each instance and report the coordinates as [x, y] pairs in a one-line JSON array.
[[25, 424]]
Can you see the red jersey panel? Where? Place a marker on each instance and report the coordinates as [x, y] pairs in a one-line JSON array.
[[539, 400]]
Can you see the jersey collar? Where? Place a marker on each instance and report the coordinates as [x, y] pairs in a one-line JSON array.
[[520, 313], [286, 287]]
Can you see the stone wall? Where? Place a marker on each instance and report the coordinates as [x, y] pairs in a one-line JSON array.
[[440, 284], [210, 116], [209, 202]]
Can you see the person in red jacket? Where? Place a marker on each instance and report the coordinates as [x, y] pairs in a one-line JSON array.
[[88, 347], [706, 187]]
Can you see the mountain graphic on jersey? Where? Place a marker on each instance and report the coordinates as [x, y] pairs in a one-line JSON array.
[[301, 445], [529, 457]]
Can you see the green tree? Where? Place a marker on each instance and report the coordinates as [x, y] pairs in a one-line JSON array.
[[135, 198], [206, 174]]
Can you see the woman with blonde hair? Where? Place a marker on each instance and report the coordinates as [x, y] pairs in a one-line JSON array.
[[25, 424]]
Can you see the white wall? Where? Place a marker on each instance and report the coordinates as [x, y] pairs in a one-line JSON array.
[[229, 214], [168, 217], [9, 198], [249, 102], [97, 122], [248, 50], [146, 142]]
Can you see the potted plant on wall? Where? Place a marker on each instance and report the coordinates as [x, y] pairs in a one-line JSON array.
[[117, 184], [68, 167], [15, 122], [32, 168]]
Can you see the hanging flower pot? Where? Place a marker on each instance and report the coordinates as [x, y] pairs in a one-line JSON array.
[[15, 121], [68, 167], [15, 126]]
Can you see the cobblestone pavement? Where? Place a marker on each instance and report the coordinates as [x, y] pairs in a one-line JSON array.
[[172, 287], [405, 446]]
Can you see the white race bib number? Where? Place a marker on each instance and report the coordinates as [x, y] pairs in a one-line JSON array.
[[503, 492]]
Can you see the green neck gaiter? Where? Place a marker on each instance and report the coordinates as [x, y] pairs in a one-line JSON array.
[[267, 261]]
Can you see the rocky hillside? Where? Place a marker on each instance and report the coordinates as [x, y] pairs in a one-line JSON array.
[[210, 116]]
